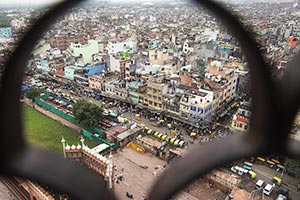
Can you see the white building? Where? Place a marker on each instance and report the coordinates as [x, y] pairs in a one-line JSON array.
[[117, 47]]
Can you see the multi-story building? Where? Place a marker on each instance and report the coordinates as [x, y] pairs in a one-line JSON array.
[[201, 105], [116, 89], [172, 103], [86, 51], [223, 81], [5, 32], [120, 65], [70, 72], [114, 47], [63, 41], [159, 57], [96, 82], [155, 92], [134, 88], [241, 118], [42, 65]]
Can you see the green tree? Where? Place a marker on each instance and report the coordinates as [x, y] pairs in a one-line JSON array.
[[87, 114], [292, 165], [33, 92]]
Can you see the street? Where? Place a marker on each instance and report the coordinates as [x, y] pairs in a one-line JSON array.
[[266, 174]]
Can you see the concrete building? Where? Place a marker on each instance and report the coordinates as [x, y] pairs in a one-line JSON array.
[[159, 57], [116, 89], [172, 103], [70, 72], [241, 119], [121, 66], [223, 81], [201, 105], [62, 41], [134, 88], [42, 65], [5, 32], [86, 51], [155, 93], [114, 47]]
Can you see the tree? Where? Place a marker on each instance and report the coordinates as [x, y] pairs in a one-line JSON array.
[[32, 93], [292, 165], [87, 114]]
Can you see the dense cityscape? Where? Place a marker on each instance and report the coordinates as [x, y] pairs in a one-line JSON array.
[[134, 87]]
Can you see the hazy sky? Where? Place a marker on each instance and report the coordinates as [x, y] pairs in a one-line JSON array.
[[55, 1], [28, 1]]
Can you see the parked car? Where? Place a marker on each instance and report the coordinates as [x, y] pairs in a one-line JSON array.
[[259, 184], [283, 190], [281, 197], [268, 189]]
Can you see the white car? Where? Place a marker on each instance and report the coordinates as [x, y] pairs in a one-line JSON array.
[[259, 184], [281, 197], [268, 189]]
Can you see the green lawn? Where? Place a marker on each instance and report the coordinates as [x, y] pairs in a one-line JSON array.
[[43, 131]]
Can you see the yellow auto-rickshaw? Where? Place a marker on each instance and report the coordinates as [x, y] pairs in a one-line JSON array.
[[137, 117], [181, 143], [173, 132], [276, 180], [164, 137], [172, 140], [252, 174]]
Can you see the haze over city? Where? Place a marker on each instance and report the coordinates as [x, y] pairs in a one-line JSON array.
[[128, 91]]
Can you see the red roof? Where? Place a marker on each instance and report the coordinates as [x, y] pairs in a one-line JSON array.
[[241, 119]]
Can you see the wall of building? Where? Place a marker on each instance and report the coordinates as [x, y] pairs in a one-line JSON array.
[[86, 50]]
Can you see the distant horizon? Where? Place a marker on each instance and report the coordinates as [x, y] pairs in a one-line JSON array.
[[40, 2], [48, 3]]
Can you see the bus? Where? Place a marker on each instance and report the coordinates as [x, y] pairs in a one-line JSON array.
[[270, 163], [239, 170], [261, 159]]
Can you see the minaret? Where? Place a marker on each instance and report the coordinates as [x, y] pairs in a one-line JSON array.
[[82, 141], [64, 145], [110, 171]]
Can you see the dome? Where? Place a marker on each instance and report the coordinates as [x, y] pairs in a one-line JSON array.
[[68, 147], [73, 147], [78, 146]]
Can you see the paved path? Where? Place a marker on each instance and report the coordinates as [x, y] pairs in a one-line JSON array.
[[138, 180], [266, 173]]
